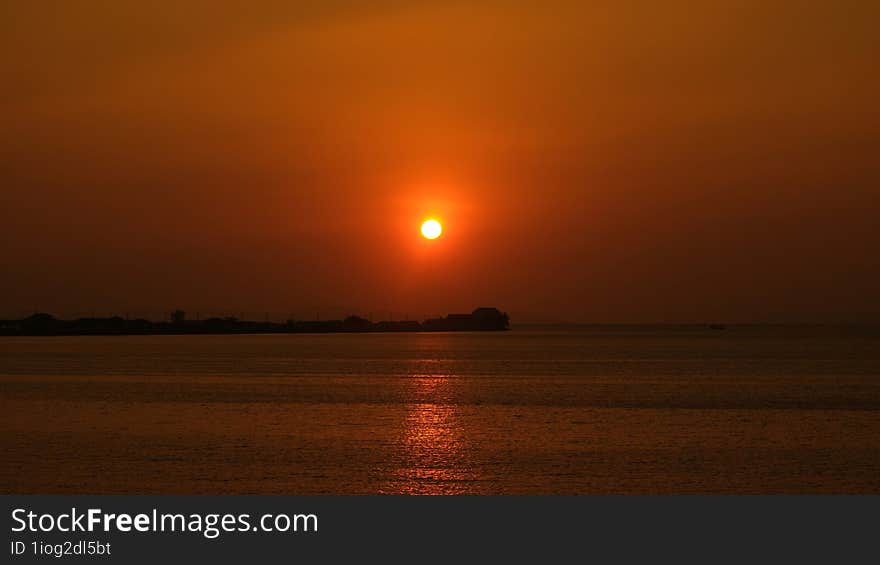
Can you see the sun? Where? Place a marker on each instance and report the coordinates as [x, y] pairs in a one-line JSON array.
[[431, 229]]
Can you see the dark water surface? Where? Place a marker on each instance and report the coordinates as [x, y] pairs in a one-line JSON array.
[[590, 410]]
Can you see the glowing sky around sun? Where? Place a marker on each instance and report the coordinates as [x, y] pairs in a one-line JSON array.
[[597, 161]]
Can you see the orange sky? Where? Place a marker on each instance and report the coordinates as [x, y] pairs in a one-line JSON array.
[[591, 161]]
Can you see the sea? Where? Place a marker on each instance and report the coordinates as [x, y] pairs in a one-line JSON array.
[[536, 410]]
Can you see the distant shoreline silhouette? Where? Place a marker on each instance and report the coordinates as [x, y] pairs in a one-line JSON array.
[[42, 324]]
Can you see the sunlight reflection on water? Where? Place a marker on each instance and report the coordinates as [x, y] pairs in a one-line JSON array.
[[552, 412], [433, 458]]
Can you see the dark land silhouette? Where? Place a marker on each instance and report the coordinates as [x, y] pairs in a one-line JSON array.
[[481, 319]]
